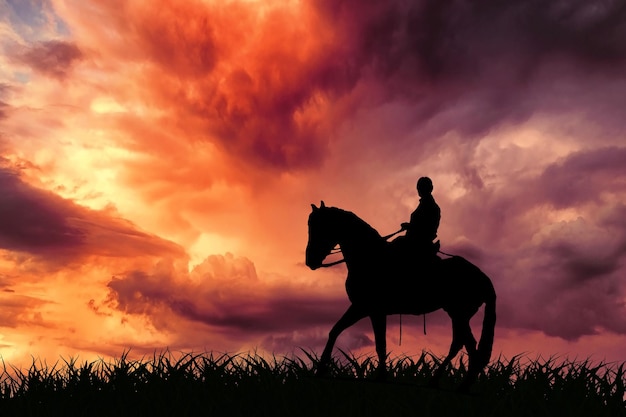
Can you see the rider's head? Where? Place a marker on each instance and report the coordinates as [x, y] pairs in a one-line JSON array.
[[424, 186]]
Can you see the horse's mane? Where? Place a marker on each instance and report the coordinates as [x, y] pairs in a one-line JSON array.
[[356, 222]]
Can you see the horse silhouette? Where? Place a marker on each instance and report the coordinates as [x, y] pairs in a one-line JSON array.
[[379, 284]]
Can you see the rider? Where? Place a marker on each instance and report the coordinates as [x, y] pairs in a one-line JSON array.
[[421, 231]]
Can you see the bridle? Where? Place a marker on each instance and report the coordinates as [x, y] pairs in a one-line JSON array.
[[332, 252]]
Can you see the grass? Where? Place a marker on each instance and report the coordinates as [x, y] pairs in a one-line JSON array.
[[251, 385]]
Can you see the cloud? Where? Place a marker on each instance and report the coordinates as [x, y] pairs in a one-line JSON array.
[[19, 310], [51, 58], [214, 124], [450, 74], [575, 288], [32, 219], [455, 70], [233, 75], [553, 242], [43, 224], [224, 69], [442, 41], [224, 293], [269, 104], [584, 176]]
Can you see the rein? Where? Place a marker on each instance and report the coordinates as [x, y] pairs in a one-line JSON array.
[[323, 265], [332, 263]]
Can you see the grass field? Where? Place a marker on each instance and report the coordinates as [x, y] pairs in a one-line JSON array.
[[250, 385]]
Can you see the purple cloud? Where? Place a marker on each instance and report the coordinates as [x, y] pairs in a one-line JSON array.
[[43, 224], [583, 176], [52, 58], [224, 293], [33, 220]]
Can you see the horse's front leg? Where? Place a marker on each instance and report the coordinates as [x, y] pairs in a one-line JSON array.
[[379, 324], [350, 317]]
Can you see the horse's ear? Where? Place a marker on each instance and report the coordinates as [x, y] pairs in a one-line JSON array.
[[322, 205], [313, 207]]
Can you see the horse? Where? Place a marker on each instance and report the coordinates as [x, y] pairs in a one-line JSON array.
[[379, 284]]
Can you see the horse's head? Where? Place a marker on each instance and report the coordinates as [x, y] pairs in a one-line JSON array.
[[322, 235]]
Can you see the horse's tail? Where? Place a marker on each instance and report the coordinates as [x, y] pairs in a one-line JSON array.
[[489, 323]]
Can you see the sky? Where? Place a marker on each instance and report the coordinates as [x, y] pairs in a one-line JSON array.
[[158, 160]]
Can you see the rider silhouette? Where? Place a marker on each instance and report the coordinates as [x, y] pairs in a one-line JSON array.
[[421, 231]]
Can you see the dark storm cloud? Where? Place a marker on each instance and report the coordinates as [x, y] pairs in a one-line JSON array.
[[562, 277], [223, 292], [33, 220], [572, 295], [583, 176], [451, 40], [470, 68], [43, 224]]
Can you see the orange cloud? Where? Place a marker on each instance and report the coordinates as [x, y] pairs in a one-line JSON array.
[[229, 73]]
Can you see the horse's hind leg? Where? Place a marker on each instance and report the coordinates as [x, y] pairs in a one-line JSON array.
[[473, 368], [379, 324], [455, 347], [350, 317]]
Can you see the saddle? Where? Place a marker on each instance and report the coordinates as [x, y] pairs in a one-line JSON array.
[[414, 258]]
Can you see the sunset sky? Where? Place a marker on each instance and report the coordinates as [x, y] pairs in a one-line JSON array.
[[159, 158]]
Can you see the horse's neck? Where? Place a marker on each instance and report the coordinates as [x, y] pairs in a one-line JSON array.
[[359, 239]]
